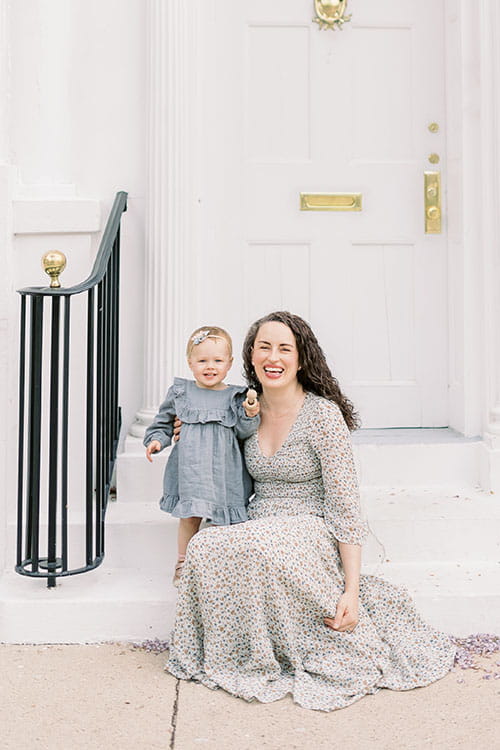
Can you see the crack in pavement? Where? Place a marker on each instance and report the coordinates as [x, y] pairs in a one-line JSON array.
[[175, 709]]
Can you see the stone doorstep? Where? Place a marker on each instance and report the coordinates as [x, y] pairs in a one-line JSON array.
[[112, 604], [407, 525], [130, 596], [424, 464]]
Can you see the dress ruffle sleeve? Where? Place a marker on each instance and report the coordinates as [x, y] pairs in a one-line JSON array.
[[331, 441], [162, 426]]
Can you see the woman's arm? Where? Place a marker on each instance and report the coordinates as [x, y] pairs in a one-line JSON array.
[[347, 613], [351, 562], [331, 441]]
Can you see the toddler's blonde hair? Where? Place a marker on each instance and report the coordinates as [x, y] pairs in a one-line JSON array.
[[208, 332]]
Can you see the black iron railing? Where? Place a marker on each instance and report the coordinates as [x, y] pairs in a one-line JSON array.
[[69, 417]]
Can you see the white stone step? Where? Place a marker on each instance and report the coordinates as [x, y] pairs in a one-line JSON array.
[[419, 457], [459, 598], [442, 543], [407, 525], [107, 604], [433, 524], [136, 534], [113, 604]]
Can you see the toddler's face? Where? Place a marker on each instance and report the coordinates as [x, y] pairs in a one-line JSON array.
[[210, 362]]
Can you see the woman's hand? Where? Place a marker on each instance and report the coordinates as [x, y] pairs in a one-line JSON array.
[[177, 429], [153, 447], [347, 614]]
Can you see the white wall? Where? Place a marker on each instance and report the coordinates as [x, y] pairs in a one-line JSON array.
[[78, 129], [75, 129]]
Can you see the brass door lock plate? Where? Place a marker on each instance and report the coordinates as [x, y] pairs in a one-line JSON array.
[[432, 202]]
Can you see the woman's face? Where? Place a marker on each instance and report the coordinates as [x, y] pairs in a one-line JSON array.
[[275, 356]]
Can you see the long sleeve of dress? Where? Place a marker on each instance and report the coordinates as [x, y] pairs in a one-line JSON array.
[[162, 426], [245, 426], [331, 442]]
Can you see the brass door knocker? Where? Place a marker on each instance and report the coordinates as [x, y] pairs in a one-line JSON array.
[[330, 14]]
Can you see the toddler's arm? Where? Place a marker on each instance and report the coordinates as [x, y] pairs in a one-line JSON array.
[[153, 447], [248, 419], [251, 403], [161, 429]]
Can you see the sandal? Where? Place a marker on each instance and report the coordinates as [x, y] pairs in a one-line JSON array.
[[178, 570]]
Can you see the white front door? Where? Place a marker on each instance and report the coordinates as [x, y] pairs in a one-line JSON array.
[[288, 108]]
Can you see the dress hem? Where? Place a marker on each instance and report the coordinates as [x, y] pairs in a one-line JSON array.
[[278, 693], [219, 516]]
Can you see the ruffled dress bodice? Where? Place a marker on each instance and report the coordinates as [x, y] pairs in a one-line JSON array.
[[205, 476]]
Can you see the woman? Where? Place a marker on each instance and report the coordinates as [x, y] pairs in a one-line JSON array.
[[277, 605]]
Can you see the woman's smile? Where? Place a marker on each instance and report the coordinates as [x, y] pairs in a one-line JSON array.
[[274, 372]]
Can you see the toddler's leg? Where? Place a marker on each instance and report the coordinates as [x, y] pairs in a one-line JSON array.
[[186, 531]]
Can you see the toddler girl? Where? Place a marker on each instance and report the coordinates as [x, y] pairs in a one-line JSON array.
[[205, 476]]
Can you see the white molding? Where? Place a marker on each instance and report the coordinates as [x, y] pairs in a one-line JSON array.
[[172, 207], [490, 212], [465, 221], [5, 82], [56, 216]]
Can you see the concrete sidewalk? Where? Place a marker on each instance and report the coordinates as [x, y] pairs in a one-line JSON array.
[[115, 697]]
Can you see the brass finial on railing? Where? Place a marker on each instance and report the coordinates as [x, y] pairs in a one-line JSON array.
[[54, 263]]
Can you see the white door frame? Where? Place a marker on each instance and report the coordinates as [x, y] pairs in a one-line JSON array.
[[473, 112]]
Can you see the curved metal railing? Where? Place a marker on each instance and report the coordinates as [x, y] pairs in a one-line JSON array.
[[59, 498]]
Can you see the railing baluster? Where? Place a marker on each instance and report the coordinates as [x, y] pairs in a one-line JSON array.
[[116, 287], [116, 332], [45, 438], [64, 436], [99, 420], [35, 428], [53, 440], [106, 351], [20, 457], [89, 494]]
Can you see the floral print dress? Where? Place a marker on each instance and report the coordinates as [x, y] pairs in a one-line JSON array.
[[253, 596]]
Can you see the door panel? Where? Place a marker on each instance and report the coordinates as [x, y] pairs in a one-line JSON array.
[[289, 109]]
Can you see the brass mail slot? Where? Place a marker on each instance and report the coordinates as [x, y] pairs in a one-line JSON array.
[[330, 202]]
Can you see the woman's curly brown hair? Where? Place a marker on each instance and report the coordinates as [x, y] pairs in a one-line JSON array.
[[314, 374]]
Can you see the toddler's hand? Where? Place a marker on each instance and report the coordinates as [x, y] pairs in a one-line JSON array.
[[250, 404], [153, 447]]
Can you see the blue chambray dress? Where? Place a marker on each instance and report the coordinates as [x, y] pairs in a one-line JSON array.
[[253, 596], [205, 476]]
